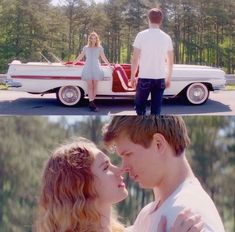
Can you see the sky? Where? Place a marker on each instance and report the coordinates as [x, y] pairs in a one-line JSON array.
[[55, 2]]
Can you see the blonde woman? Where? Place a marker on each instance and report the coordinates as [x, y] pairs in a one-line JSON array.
[[92, 71], [79, 187]]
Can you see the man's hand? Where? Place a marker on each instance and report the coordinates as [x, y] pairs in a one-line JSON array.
[[169, 60], [134, 66], [186, 221], [133, 83], [167, 82]]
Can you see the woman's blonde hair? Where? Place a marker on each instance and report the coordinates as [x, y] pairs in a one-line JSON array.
[[68, 195], [97, 44]]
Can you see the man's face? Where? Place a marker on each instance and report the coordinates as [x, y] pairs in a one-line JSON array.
[[144, 165]]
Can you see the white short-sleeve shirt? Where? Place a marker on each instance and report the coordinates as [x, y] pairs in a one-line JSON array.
[[154, 45], [189, 194]]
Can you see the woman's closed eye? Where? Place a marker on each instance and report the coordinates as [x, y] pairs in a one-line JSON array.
[[106, 167]]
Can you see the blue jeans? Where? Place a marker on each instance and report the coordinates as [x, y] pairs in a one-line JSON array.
[[144, 87]]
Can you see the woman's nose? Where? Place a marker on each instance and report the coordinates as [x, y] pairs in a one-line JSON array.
[[120, 171]]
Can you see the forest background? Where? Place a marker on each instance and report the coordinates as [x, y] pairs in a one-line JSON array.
[[203, 31], [26, 143]]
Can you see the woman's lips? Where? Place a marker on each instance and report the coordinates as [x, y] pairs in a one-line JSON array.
[[122, 185]]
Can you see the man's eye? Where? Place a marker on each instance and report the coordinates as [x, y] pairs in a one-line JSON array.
[[127, 154]]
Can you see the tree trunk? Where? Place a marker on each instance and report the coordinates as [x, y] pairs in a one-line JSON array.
[[1, 197], [234, 212]]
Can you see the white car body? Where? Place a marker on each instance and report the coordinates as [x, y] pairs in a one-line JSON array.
[[193, 81]]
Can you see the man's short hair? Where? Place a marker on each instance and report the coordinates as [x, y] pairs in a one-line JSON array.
[[155, 15], [140, 130]]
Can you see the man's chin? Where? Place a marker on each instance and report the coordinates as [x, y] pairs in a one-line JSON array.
[[144, 186]]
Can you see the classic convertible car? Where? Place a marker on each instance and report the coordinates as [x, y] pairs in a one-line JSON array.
[[190, 81]]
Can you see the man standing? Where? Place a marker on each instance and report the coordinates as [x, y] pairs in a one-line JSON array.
[[152, 149], [153, 53]]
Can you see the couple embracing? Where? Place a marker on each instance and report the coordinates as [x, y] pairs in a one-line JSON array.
[[80, 184]]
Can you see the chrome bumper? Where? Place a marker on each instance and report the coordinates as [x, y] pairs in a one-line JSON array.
[[218, 87]]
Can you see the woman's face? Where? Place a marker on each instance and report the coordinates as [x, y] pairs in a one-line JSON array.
[[108, 180], [93, 39]]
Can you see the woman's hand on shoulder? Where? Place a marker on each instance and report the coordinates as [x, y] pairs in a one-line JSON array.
[[186, 221]]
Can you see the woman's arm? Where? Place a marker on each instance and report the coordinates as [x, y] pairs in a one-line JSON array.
[[104, 58], [79, 57]]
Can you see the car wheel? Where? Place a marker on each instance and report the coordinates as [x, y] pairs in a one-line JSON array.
[[197, 93], [70, 95]]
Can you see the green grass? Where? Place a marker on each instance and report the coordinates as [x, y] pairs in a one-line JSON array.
[[230, 87], [3, 87]]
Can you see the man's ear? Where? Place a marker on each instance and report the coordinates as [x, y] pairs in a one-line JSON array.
[[160, 142]]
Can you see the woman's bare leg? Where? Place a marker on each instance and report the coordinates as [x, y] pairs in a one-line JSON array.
[[91, 94], [95, 83], [90, 90]]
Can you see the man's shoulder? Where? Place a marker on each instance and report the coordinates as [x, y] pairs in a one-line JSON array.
[[190, 189], [164, 33], [194, 197], [148, 32], [143, 32]]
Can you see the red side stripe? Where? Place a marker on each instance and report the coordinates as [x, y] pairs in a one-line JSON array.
[[47, 77]]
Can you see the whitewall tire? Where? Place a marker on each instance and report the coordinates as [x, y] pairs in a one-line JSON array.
[[70, 95], [197, 93]]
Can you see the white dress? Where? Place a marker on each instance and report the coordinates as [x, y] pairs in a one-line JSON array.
[[92, 69]]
